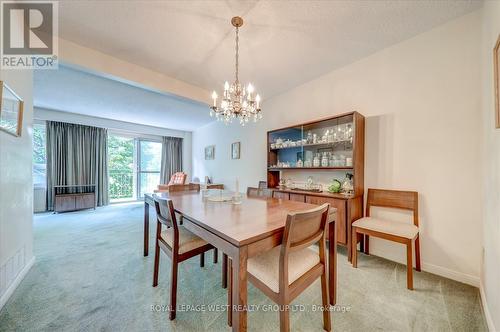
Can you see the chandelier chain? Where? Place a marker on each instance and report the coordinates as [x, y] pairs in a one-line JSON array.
[[237, 49]]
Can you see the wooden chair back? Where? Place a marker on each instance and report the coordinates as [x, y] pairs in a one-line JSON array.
[[178, 178], [302, 229], [184, 187], [257, 192], [262, 185], [252, 192], [396, 199], [165, 211], [305, 228]]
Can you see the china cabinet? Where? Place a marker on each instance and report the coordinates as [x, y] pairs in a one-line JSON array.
[[333, 144]]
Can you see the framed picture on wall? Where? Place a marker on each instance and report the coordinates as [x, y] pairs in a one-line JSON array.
[[496, 75], [11, 111], [210, 152], [235, 150]]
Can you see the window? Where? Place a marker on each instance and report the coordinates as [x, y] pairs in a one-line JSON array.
[[149, 166], [134, 166], [39, 156], [121, 155]]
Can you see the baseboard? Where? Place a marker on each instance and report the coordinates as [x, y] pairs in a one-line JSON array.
[[451, 274], [486, 310], [10, 290]]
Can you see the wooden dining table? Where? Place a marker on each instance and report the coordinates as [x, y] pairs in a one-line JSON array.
[[242, 231]]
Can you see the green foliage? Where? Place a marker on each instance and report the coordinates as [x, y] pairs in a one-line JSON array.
[[121, 167], [121, 153], [39, 150]]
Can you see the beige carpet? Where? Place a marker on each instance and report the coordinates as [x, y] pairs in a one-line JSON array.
[[90, 275]]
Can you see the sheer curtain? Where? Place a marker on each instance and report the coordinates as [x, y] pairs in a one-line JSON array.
[[77, 155], [171, 157]]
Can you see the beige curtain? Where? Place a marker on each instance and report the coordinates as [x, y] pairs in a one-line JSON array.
[[77, 155], [171, 158]]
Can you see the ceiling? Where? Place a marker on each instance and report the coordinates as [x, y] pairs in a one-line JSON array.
[[75, 91], [282, 43]]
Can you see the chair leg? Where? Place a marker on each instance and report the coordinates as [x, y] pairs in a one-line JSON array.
[[202, 259], [326, 305], [367, 244], [216, 255], [362, 243], [156, 264], [230, 294], [224, 270], [417, 253], [173, 289], [284, 319], [409, 265], [354, 243]]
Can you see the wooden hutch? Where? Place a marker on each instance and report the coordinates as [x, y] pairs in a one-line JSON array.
[[342, 140]]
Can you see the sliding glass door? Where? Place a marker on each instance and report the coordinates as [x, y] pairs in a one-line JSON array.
[[148, 166], [134, 167], [121, 168]]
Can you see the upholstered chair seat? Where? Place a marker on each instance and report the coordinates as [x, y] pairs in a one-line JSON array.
[[409, 231], [265, 267], [187, 240]]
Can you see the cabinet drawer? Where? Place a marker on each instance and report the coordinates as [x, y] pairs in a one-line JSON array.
[[341, 206], [64, 203], [281, 195], [298, 197], [84, 201]]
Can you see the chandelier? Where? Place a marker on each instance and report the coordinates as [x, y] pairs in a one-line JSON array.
[[237, 101]]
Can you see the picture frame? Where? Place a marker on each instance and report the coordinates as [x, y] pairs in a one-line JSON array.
[[235, 150], [210, 152], [496, 75], [11, 111]]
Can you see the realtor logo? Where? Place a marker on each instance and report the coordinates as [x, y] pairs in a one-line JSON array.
[[29, 34]]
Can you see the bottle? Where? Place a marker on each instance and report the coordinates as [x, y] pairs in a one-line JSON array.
[[300, 163], [347, 185], [324, 160], [316, 160], [309, 138]]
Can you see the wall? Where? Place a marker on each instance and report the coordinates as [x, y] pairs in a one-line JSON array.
[[16, 191], [490, 276], [116, 126], [421, 98]]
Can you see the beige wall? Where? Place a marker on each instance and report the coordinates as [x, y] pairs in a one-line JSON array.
[[421, 98], [490, 276], [16, 191]]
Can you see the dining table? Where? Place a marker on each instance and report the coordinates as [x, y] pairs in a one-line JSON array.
[[241, 230]]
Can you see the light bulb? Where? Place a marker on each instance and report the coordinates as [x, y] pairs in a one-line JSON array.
[[214, 97], [226, 85], [257, 99], [250, 88]]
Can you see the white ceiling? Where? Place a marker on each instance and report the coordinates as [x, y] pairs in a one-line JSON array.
[[283, 43], [76, 91]]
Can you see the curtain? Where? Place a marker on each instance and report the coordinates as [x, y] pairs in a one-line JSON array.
[[171, 158], [77, 155]]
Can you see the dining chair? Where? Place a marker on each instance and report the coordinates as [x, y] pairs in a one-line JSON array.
[[395, 231], [184, 187], [178, 178], [177, 242], [262, 185], [285, 271], [257, 192]]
